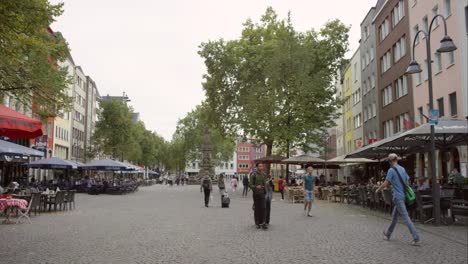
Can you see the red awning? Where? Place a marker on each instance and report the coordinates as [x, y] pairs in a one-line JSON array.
[[15, 125]]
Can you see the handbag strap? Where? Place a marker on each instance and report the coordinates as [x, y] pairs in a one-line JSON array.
[[401, 179]]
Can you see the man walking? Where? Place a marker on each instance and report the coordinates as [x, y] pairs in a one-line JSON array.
[[245, 183], [257, 184], [309, 180], [207, 187], [398, 178]]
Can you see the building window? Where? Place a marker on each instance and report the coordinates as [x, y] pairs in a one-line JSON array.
[[453, 104], [401, 120], [415, 31], [385, 62], [374, 110], [387, 95], [243, 149], [244, 166], [425, 23], [421, 115], [450, 58], [388, 128], [243, 157], [438, 61], [401, 87], [384, 30], [399, 49], [372, 53], [398, 13], [435, 12], [425, 70], [440, 103], [447, 8], [372, 80]]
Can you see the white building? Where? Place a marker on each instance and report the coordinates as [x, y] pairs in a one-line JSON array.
[[79, 115], [357, 99], [228, 168]]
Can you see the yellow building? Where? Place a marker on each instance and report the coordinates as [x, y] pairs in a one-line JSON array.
[[348, 110]]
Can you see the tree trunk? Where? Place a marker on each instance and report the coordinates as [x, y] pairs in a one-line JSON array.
[[287, 165], [269, 145]]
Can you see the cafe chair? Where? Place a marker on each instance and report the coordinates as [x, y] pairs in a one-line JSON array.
[[24, 213], [422, 206]]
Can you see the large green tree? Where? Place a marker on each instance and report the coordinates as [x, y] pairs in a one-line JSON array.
[[275, 84], [191, 130], [115, 130], [29, 52]]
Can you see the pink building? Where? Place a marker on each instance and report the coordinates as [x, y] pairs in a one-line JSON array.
[[446, 76], [246, 154]]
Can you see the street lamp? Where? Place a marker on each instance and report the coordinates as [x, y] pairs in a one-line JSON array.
[[446, 45]]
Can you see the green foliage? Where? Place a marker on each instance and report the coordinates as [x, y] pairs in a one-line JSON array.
[[190, 132], [117, 136], [28, 56], [273, 83]]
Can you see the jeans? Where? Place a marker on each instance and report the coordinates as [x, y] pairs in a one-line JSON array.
[[282, 194], [246, 189], [207, 196], [400, 209]]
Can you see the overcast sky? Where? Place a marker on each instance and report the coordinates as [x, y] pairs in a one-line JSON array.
[[148, 48]]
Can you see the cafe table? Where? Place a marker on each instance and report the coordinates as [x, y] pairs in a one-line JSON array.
[[8, 206]]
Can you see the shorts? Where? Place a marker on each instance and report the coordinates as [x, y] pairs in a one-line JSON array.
[[309, 196]]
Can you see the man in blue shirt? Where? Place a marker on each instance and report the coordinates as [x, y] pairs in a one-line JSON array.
[[398, 190], [309, 180]]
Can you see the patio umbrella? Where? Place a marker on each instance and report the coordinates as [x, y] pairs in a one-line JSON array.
[[448, 133], [270, 159], [15, 125], [304, 159], [378, 149], [52, 163], [9, 148], [105, 165]]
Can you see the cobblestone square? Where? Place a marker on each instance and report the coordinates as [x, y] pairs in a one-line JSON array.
[[162, 224]]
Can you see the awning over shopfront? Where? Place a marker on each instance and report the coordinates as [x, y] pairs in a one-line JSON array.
[[11, 149], [15, 125], [304, 159], [344, 160], [448, 133], [52, 163]]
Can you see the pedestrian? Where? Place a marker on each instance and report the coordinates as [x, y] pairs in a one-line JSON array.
[[268, 198], [257, 184], [234, 184], [308, 184], [281, 187], [206, 187], [245, 183], [398, 178], [221, 186]]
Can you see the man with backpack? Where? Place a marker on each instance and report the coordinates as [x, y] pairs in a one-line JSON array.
[[257, 184], [398, 178], [207, 187]]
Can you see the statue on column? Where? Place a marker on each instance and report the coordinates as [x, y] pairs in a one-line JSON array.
[[206, 166]]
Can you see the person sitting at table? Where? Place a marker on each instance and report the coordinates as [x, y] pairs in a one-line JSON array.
[[423, 184]]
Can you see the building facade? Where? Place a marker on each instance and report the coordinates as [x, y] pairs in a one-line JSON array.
[[396, 107], [356, 95], [92, 111], [247, 153], [447, 77], [79, 115], [348, 110], [227, 168], [370, 102]]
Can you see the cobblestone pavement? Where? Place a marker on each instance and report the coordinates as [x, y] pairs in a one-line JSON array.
[[162, 224]]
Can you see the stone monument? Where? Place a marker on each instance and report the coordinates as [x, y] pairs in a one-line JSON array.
[[206, 166]]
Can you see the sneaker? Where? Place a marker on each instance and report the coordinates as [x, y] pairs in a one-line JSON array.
[[386, 236], [309, 215], [264, 227], [258, 226], [416, 243], [206, 205]]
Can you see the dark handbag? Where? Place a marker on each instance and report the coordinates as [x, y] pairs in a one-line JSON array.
[[410, 197]]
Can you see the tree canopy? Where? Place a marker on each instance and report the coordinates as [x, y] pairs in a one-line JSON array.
[[275, 84], [190, 134], [29, 52]]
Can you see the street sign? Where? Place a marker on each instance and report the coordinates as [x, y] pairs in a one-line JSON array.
[[434, 116]]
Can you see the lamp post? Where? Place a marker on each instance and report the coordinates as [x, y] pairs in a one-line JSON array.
[[446, 45]]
